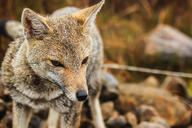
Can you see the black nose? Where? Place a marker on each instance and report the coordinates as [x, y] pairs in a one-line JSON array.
[[81, 95]]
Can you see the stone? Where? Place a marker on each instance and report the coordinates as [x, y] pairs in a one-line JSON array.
[[165, 47], [107, 109], [145, 112], [116, 122], [168, 106], [131, 119], [176, 86], [160, 121], [115, 113], [109, 89], [151, 81], [145, 124], [169, 41]]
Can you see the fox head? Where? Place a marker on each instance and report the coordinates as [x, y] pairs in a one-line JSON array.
[[59, 48]]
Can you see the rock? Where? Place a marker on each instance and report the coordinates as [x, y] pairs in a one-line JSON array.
[[125, 103], [43, 125], [110, 81], [151, 81], [145, 124], [145, 113], [131, 119], [115, 113], [160, 121], [176, 86], [168, 106], [168, 41], [117, 122], [107, 109], [164, 48], [110, 87]]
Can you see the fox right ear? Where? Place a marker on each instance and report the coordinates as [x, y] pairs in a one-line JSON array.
[[35, 26], [88, 15]]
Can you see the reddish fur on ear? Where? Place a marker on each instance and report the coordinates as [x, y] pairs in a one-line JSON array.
[[87, 16], [35, 26]]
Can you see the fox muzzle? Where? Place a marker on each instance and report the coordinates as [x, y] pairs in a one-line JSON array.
[[81, 95]]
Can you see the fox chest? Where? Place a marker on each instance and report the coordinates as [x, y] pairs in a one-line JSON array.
[[39, 94], [35, 87]]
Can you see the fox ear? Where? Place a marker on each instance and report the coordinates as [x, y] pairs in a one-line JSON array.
[[88, 15], [35, 26]]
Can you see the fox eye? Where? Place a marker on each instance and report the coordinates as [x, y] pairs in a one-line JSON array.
[[56, 63], [85, 60]]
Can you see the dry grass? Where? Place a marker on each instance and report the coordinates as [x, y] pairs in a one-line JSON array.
[[122, 23]]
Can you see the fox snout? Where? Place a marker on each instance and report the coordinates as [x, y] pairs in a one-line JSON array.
[[76, 94], [81, 95], [73, 85]]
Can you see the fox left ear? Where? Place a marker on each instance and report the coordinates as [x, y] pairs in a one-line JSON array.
[[88, 15], [35, 26]]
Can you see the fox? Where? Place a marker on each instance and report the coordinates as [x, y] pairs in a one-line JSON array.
[[55, 62]]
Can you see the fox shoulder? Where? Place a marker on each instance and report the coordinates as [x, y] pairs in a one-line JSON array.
[[6, 67]]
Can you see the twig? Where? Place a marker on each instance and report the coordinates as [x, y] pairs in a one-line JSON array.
[[148, 70]]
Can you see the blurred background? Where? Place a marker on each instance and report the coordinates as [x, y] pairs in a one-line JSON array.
[[155, 34], [125, 25]]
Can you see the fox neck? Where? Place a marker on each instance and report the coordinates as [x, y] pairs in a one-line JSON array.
[[20, 60]]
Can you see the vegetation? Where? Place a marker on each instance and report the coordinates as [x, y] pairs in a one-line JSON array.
[[123, 25]]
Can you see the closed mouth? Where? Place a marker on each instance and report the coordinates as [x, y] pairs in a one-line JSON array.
[[61, 87]]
